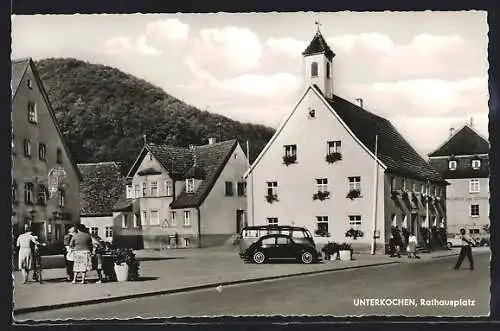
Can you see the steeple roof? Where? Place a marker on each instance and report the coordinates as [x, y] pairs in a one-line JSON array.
[[317, 46]]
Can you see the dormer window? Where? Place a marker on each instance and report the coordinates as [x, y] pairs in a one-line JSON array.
[[314, 69], [476, 164], [452, 165], [190, 185]]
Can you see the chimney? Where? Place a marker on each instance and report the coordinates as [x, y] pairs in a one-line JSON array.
[[212, 140], [452, 130], [360, 102]]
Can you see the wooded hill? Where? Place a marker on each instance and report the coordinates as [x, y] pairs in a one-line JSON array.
[[103, 114]]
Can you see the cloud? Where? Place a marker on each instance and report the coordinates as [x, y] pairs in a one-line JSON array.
[[124, 45], [355, 43], [168, 29], [289, 46], [239, 47]]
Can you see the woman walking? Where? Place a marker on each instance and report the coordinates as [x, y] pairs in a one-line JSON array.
[[81, 242], [69, 256], [24, 243], [412, 246]]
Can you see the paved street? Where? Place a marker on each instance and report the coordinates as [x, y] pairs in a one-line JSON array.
[[330, 293]]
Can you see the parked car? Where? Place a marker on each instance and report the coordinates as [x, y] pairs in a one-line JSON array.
[[454, 241], [280, 246]]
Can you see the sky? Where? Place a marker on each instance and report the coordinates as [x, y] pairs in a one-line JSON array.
[[424, 71]]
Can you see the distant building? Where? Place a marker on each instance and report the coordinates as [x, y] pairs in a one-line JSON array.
[[463, 160], [318, 170], [102, 186], [37, 147], [183, 197]]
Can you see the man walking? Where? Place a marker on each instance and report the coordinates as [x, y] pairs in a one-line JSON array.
[[466, 249]]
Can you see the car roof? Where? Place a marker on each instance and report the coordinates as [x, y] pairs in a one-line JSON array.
[[275, 235]]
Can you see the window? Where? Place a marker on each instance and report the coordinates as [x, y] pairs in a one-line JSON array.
[[28, 193], [42, 151], [474, 186], [229, 189], [168, 188], [59, 156], [173, 218], [187, 218], [355, 221], [404, 184], [32, 115], [322, 185], [154, 189], [314, 69], [242, 189], [137, 191], [476, 164], [423, 189], [452, 165], [124, 221], [155, 219], [62, 197], [312, 113], [474, 210], [14, 191], [137, 221], [393, 183], [322, 224], [190, 185], [272, 221], [94, 231], [355, 183], [328, 70], [434, 191], [282, 241], [42, 195], [269, 241], [109, 232], [129, 192], [30, 84], [144, 189], [27, 147], [414, 187], [186, 242], [145, 217], [291, 150], [272, 188], [334, 147]]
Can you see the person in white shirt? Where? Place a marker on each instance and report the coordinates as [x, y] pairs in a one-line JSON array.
[[24, 243], [466, 249]]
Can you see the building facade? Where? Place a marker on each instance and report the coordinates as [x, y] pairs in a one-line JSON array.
[[183, 197], [37, 148], [463, 160], [355, 179], [102, 186]]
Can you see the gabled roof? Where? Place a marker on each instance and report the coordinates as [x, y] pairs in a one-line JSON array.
[[179, 162], [465, 141], [101, 188], [394, 153], [19, 68], [318, 45]]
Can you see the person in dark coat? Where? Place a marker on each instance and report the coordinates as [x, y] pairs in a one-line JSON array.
[[466, 250], [393, 247], [68, 254]]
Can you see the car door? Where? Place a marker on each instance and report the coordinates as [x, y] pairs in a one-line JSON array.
[[284, 249], [268, 246]]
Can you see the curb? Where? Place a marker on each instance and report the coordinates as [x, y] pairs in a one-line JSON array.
[[183, 289]]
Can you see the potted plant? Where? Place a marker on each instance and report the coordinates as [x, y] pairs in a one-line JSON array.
[[321, 195], [289, 159], [353, 194], [271, 197], [345, 252], [322, 233], [125, 265], [354, 233], [331, 250], [333, 157]]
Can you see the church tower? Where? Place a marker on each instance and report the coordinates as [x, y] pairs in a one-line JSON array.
[[318, 64]]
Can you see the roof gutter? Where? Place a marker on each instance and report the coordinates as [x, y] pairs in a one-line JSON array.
[[199, 226]]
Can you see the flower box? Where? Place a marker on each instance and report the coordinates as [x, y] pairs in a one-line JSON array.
[[353, 194], [345, 252], [321, 195], [125, 265], [271, 198], [289, 159], [333, 157], [121, 272], [354, 233]]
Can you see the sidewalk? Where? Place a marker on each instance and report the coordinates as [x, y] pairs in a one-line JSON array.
[[176, 271]]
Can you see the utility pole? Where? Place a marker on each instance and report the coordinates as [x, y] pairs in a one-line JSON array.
[[375, 190]]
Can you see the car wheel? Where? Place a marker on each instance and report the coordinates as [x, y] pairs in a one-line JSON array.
[[259, 257], [306, 257], [449, 245]]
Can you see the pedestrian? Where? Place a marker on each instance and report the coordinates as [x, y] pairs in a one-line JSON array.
[[24, 243], [412, 246], [466, 249], [81, 242], [176, 240], [97, 252], [393, 247], [69, 253]]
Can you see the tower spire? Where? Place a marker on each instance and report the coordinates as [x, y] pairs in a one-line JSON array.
[[318, 24]]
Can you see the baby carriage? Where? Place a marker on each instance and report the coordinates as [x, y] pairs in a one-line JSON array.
[[37, 262]]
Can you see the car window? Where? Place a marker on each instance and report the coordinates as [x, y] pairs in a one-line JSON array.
[[269, 241], [282, 241], [298, 234]]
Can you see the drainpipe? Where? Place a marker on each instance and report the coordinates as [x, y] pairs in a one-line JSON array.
[[199, 226]]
